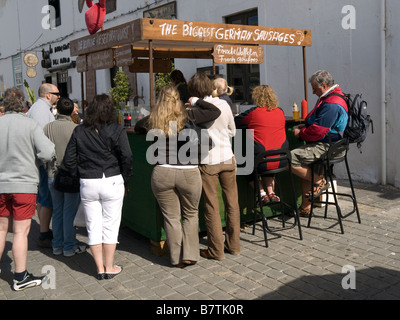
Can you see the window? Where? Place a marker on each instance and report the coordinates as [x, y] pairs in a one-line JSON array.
[[56, 5], [242, 77], [111, 5]]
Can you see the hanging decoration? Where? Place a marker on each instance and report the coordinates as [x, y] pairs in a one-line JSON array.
[[95, 15]]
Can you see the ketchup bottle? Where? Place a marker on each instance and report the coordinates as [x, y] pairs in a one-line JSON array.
[[304, 109]]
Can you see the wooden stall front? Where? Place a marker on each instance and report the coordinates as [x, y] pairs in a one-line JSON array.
[[148, 45]]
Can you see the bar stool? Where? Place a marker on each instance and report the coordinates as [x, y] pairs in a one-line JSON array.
[[261, 160], [333, 156]]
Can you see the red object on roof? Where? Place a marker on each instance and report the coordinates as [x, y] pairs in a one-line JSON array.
[[95, 15]]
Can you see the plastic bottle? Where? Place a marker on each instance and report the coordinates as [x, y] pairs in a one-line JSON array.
[[304, 109], [127, 118], [296, 112]]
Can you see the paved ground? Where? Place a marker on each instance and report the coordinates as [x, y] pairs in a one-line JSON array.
[[289, 269]]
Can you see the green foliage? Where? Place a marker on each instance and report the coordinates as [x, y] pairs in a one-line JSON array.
[[31, 94], [122, 90], [162, 79]]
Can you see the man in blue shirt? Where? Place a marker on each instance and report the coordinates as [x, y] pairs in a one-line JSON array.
[[323, 126]]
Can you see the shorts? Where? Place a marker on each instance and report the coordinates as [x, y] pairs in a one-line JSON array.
[[21, 206], [44, 196], [308, 153]]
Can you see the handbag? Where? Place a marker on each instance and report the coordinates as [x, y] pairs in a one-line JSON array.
[[65, 182]]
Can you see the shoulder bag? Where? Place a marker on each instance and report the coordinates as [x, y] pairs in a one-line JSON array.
[[65, 182]]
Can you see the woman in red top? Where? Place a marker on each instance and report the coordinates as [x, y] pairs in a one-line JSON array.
[[268, 122]]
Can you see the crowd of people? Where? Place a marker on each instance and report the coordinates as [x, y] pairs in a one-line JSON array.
[[96, 150]]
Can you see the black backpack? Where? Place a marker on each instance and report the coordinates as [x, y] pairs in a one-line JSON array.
[[359, 121]]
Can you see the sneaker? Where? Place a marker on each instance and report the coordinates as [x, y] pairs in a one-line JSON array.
[[78, 250], [57, 251], [28, 282]]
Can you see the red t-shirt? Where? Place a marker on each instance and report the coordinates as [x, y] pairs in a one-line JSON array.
[[268, 126]]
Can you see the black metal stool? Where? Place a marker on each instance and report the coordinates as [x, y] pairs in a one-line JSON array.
[[333, 156], [274, 155]]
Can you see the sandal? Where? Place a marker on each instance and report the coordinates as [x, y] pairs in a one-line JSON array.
[[273, 197], [319, 188], [304, 212], [265, 199]]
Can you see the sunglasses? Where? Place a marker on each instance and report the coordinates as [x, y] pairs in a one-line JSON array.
[[55, 93]]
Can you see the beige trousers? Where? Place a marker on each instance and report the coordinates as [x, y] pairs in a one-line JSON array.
[[178, 193]]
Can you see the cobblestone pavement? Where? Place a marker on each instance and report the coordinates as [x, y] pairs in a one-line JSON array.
[[312, 268]]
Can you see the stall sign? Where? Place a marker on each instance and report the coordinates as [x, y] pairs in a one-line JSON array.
[[159, 29], [123, 56], [81, 65], [232, 54], [100, 60], [117, 36]]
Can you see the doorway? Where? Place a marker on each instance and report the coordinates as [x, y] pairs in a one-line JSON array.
[[243, 77]]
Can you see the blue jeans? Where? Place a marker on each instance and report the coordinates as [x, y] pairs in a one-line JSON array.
[[43, 196], [65, 206]]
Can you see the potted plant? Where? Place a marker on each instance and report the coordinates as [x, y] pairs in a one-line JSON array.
[[121, 92]]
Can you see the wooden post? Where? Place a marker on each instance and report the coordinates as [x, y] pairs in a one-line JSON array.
[[82, 94], [214, 71], [305, 74], [151, 76]]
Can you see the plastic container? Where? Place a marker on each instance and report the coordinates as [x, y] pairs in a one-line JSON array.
[[304, 109], [296, 112]]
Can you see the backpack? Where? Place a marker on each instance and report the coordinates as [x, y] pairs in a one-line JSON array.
[[359, 121]]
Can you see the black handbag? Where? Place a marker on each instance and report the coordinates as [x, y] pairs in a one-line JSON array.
[[65, 182]]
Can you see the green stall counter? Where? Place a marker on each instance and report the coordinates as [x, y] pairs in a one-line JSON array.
[[141, 213]]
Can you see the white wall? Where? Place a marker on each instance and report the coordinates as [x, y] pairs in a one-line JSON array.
[[353, 56], [393, 93]]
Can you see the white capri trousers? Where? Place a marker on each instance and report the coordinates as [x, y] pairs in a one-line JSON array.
[[102, 201]]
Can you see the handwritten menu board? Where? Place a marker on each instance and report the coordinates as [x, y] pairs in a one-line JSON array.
[[233, 54]]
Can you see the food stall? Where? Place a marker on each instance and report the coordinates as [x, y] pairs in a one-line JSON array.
[[148, 45]]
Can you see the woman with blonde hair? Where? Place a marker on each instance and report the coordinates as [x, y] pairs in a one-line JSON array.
[[268, 122], [176, 183], [222, 90]]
